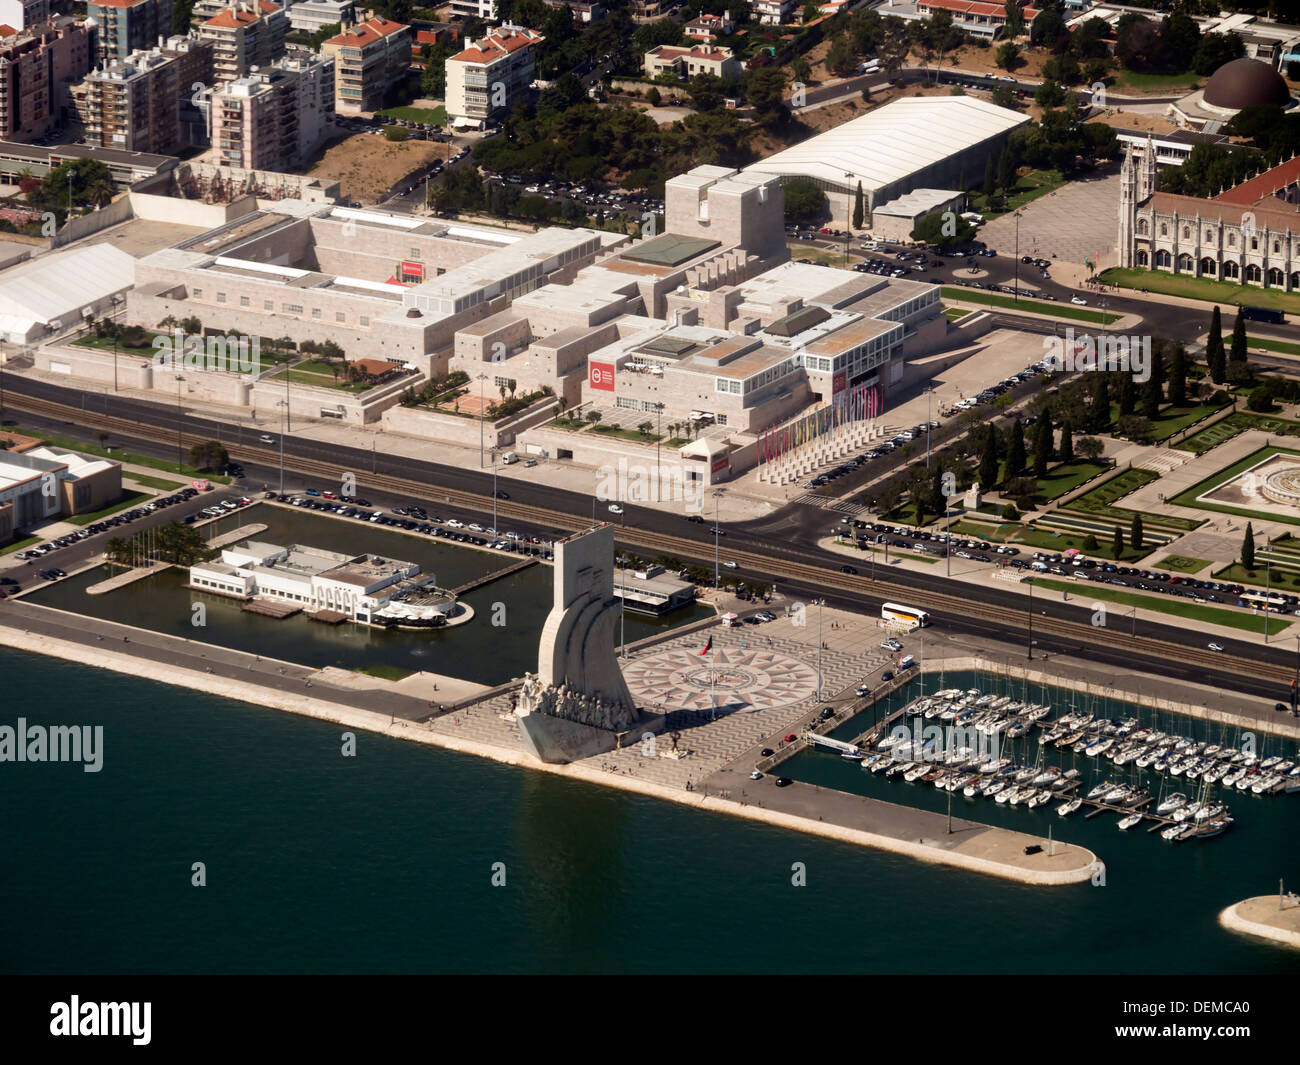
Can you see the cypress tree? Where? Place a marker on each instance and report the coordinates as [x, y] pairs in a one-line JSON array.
[[1177, 392], [1248, 548], [1042, 445], [1006, 170], [1238, 352], [990, 187], [989, 460], [1117, 543], [1135, 533], [1126, 395], [1214, 353], [1151, 398], [1067, 441], [858, 208], [1016, 449], [1099, 408]]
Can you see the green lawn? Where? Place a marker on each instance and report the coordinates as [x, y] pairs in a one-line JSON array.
[[1058, 310], [116, 455], [956, 314], [1269, 344], [1201, 288], [1101, 499], [1238, 422], [569, 423], [156, 482], [323, 379], [624, 434], [1187, 498], [436, 115], [1154, 83], [1047, 540], [18, 545], [106, 344], [1176, 607], [1173, 420], [1066, 477], [385, 672], [973, 529], [1275, 577], [1027, 189], [128, 500], [1182, 563]]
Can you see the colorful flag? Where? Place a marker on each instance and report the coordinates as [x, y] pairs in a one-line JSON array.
[[707, 647]]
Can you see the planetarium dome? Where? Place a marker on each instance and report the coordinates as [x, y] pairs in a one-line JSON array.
[[1246, 83]]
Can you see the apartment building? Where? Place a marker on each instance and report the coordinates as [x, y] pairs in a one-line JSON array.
[[370, 57], [36, 67], [479, 9], [708, 27], [979, 19], [23, 13], [688, 62], [491, 72], [143, 103], [275, 118], [127, 26], [771, 12], [311, 16], [248, 34]]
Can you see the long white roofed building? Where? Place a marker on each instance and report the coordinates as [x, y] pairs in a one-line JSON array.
[[930, 142]]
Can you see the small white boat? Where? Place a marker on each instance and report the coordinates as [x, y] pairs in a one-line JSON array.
[[1006, 795], [1128, 822], [1171, 803], [1174, 832], [916, 772], [853, 756], [1067, 808], [1041, 799]]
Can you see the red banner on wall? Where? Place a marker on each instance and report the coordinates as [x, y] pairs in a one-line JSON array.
[[601, 376]]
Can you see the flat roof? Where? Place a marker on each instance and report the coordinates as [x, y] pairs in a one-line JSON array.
[[670, 249], [892, 142]]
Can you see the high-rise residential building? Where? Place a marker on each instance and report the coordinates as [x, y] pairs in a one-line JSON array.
[[126, 26], [310, 16], [480, 9], [20, 14], [247, 34], [143, 103], [276, 118], [370, 58], [36, 67], [489, 74]]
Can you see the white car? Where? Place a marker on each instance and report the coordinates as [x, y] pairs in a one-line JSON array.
[[1216, 647], [454, 524], [730, 565], [266, 438], [1078, 301], [755, 775], [614, 508], [476, 527]]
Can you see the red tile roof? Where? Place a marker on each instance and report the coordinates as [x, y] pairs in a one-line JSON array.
[[1267, 216], [232, 17], [974, 7], [364, 33], [499, 42], [1262, 186]]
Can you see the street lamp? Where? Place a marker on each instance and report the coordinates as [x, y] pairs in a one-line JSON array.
[[819, 603], [285, 404], [494, 490], [481, 378], [717, 496], [848, 218], [929, 417], [1029, 649], [180, 466], [659, 473], [1015, 296]]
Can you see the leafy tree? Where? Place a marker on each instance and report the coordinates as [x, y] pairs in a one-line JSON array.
[[1260, 399], [79, 183], [765, 91], [209, 455], [1008, 55], [182, 11], [652, 34], [1049, 94], [653, 97], [1015, 24], [801, 69], [1248, 547], [706, 91], [1090, 544], [1215, 49], [1048, 26], [1180, 38], [1091, 448], [931, 229], [1009, 512], [804, 200], [314, 40], [841, 59]]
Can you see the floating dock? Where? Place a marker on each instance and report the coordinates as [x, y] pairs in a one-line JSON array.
[[488, 578]]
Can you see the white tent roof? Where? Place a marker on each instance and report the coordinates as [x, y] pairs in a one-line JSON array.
[[893, 141], [54, 286]]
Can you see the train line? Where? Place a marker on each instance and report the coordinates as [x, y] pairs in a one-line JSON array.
[[771, 563]]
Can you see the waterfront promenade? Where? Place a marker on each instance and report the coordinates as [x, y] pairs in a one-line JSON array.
[[1272, 917]]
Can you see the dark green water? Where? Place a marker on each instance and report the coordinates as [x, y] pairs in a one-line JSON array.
[[478, 651], [382, 863]]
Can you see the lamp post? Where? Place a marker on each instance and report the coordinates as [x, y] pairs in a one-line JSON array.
[[285, 404], [1029, 649], [717, 579], [929, 417], [494, 490], [481, 378], [659, 412], [622, 610], [819, 603], [848, 218], [1015, 296], [180, 465], [1268, 586]]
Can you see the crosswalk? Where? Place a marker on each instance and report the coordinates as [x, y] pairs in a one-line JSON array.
[[841, 506]]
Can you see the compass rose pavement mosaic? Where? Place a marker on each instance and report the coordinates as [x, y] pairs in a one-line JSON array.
[[742, 679]]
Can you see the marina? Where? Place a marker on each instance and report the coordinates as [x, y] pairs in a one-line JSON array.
[[985, 744]]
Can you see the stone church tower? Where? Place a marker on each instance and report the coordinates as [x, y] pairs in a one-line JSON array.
[[1127, 207]]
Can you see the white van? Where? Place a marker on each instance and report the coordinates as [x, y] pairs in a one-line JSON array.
[[509, 458]]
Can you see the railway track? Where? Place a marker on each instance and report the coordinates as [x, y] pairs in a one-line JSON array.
[[770, 564]]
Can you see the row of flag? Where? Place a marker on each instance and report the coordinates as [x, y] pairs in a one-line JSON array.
[[860, 403]]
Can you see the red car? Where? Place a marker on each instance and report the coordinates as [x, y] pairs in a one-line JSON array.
[[791, 738]]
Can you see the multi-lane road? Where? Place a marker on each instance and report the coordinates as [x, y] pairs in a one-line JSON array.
[[781, 548]]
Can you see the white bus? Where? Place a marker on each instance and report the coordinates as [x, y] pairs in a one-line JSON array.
[[908, 615]]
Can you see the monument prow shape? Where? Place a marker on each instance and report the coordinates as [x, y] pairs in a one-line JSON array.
[[577, 704]]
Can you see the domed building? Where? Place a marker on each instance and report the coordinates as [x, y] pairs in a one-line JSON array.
[[1233, 87]]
